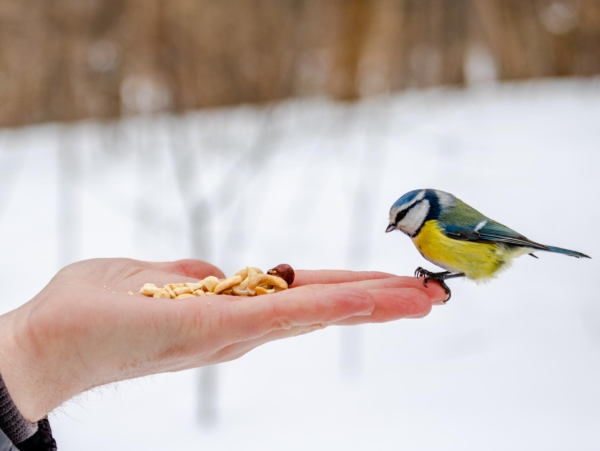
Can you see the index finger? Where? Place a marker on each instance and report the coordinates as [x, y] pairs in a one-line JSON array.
[[327, 276], [260, 315]]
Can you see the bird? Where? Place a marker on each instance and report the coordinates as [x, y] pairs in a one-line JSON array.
[[453, 235]]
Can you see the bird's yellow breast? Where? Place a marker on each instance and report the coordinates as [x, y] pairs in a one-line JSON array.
[[478, 261]]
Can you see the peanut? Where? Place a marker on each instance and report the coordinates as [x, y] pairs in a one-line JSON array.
[[265, 279], [175, 285], [260, 291], [182, 290], [210, 283], [243, 273], [227, 283], [148, 289], [242, 288], [170, 291], [249, 281], [193, 286]]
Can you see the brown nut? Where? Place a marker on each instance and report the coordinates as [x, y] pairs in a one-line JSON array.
[[284, 271], [182, 290], [265, 280], [185, 295], [227, 283], [199, 293]]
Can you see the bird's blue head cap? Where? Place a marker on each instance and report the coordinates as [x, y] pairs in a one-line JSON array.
[[412, 210]]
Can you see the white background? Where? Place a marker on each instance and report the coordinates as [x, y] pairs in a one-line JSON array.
[[513, 364]]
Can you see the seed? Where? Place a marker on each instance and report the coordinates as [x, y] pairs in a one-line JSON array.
[[170, 291], [284, 271], [193, 286], [182, 290], [227, 283], [249, 281], [210, 283], [148, 289]]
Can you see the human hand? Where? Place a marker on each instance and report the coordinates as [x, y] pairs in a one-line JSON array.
[[84, 330]]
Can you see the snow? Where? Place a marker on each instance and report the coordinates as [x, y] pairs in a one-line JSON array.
[[513, 364]]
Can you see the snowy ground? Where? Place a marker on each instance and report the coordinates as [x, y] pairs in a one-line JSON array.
[[514, 364]]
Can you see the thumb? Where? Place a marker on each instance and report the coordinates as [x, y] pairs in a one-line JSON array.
[[190, 268]]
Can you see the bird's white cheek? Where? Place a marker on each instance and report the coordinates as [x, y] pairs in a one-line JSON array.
[[414, 218]]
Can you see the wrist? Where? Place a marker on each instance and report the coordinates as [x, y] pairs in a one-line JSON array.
[[12, 422], [30, 373]]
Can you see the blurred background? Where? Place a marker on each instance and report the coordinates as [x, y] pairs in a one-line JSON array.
[[257, 132]]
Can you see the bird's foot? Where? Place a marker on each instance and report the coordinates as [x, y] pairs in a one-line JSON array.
[[439, 277]]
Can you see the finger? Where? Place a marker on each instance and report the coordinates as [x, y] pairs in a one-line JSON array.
[[326, 276], [237, 350], [434, 291], [392, 304], [130, 275], [260, 315]]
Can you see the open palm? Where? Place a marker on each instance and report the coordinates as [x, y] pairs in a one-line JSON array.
[[90, 327]]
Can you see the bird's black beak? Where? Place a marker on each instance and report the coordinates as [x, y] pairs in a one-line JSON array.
[[390, 228]]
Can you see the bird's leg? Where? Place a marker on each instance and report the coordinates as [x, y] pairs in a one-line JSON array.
[[439, 277]]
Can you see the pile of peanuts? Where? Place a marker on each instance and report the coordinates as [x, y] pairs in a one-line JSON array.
[[249, 281]]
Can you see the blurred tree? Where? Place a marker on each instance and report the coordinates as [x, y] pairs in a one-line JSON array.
[[63, 60], [353, 23]]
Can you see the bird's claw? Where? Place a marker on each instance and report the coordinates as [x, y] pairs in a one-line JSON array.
[[438, 277], [421, 272]]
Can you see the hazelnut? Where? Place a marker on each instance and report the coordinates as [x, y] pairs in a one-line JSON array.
[[284, 271]]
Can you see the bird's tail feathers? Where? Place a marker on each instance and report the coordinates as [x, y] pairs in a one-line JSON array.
[[560, 250]]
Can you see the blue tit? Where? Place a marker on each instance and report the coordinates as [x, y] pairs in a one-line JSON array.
[[456, 237]]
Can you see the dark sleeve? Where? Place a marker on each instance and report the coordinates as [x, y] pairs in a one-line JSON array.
[[5, 443], [40, 441], [15, 429]]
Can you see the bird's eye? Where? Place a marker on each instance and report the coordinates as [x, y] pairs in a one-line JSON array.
[[400, 216]]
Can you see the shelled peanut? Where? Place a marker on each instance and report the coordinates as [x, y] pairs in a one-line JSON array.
[[249, 281]]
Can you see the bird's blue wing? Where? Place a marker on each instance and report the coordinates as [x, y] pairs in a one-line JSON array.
[[488, 231]]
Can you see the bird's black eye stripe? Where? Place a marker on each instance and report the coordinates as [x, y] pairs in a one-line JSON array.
[[400, 216]]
